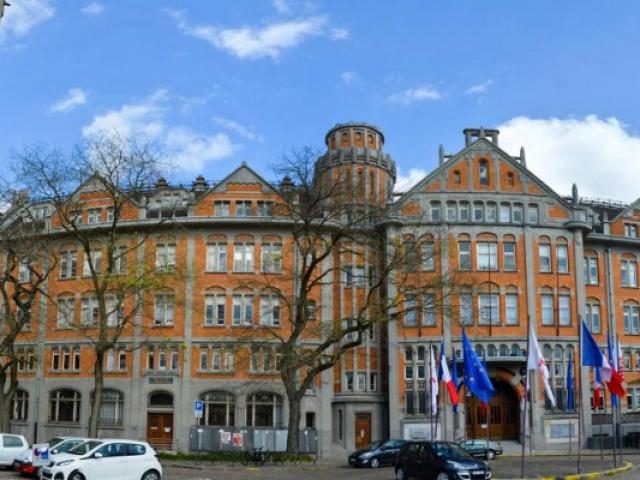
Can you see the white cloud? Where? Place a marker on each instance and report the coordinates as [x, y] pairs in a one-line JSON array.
[[23, 15], [242, 130], [349, 77], [339, 34], [413, 95], [600, 155], [75, 97], [188, 149], [251, 42], [94, 8], [405, 182], [479, 88], [282, 6]]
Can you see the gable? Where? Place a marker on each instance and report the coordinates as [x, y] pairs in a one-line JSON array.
[[243, 179]]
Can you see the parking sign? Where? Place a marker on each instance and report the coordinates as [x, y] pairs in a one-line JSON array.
[[40, 454], [198, 408]]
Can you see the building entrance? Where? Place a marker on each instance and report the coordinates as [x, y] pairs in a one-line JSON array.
[[502, 417], [363, 430]]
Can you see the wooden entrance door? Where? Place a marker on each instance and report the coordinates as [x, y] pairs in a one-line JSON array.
[[502, 417], [363, 430], [160, 430]]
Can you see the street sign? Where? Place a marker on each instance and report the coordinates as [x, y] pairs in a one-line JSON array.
[[40, 454], [198, 408]]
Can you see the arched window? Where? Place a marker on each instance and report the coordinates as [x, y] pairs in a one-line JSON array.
[[557, 353], [631, 318], [111, 408], [64, 406], [483, 172], [569, 352], [20, 411], [515, 350], [593, 318], [510, 179], [546, 352], [491, 350], [264, 409], [219, 408], [479, 350], [161, 400], [504, 350], [456, 177]]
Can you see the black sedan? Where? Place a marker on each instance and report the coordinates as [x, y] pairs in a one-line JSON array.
[[377, 454], [439, 461], [482, 448]]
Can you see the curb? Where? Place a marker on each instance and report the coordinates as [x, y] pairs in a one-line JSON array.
[[606, 473]]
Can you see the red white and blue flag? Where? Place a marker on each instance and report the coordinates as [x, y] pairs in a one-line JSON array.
[[446, 377]]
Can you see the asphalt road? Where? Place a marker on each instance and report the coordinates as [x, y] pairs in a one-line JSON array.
[[503, 468]]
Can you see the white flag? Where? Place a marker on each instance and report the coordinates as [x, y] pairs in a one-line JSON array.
[[535, 361], [434, 384]]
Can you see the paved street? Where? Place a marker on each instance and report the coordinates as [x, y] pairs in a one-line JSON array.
[[503, 468]]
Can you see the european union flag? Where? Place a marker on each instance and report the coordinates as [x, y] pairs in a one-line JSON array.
[[571, 392], [475, 374]]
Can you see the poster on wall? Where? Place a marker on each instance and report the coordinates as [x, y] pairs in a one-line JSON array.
[[419, 431], [237, 440], [225, 438]]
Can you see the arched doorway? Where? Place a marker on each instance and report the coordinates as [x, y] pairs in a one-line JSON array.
[[160, 420], [504, 414]]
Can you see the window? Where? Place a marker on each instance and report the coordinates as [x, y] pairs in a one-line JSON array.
[[505, 213], [120, 260], [116, 360], [68, 264], [491, 212], [633, 398], [593, 317], [165, 256], [478, 212], [66, 307], [242, 309], [435, 212], [489, 307], [636, 357], [427, 257], [532, 214], [429, 310], [546, 301], [96, 258], [115, 311], [264, 410], [64, 406], [510, 179], [214, 309], [466, 309], [270, 310], [564, 310], [217, 257], [464, 212], [509, 260], [243, 257], [456, 177], [355, 276], [464, 255], [265, 209], [271, 257], [408, 363], [492, 351], [243, 208], [483, 172], [111, 408], [164, 309], [452, 211], [629, 273], [504, 350], [161, 399], [311, 308], [626, 360], [65, 359], [517, 213], [204, 359], [420, 364], [511, 304], [487, 256], [221, 208], [110, 214], [591, 270], [411, 313], [631, 320], [20, 411], [631, 230], [24, 272], [90, 310], [544, 258], [94, 215], [562, 259], [219, 409]]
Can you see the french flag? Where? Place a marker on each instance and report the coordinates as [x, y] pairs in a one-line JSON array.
[[592, 356], [445, 376]]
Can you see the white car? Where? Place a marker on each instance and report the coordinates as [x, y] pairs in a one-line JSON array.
[[10, 447], [106, 460], [23, 463]]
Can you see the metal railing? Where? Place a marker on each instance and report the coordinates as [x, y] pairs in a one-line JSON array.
[[230, 439]]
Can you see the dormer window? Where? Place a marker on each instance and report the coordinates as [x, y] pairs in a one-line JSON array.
[[510, 180], [456, 177], [631, 230], [484, 172]]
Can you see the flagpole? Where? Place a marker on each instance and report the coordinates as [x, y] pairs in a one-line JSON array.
[[620, 363], [613, 361], [579, 397], [604, 405], [430, 391], [524, 409]]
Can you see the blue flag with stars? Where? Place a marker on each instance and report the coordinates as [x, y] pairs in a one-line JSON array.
[[476, 377]]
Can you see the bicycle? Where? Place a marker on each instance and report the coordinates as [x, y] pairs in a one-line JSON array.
[[256, 456]]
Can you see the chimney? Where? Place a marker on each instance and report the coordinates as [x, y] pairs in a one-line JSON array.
[[523, 158], [21, 197], [200, 185], [472, 135], [286, 185], [161, 183]]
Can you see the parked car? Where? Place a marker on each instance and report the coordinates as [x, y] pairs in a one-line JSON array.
[[10, 447], [105, 460], [377, 454], [482, 448], [439, 461], [23, 463]]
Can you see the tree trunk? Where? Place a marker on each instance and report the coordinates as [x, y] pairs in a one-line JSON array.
[[293, 426], [98, 380], [6, 396]]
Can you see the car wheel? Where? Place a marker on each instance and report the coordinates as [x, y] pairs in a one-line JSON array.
[[151, 475], [76, 476], [400, 474], [375, 463], [443, 476], [490, 455]]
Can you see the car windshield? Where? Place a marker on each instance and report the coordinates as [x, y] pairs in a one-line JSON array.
[[68, 445], [451, 451], [54, 441], [84, 447]]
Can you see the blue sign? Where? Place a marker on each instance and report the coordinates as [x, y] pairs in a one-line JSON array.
[[199, 408]]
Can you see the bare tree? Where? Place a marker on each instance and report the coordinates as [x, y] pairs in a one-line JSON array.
[[330, 240], [94, 192]]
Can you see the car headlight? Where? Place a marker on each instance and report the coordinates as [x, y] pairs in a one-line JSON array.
[[64, 463], [456, 465]]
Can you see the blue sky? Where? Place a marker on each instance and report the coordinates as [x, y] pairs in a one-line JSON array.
[[224, 82]]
